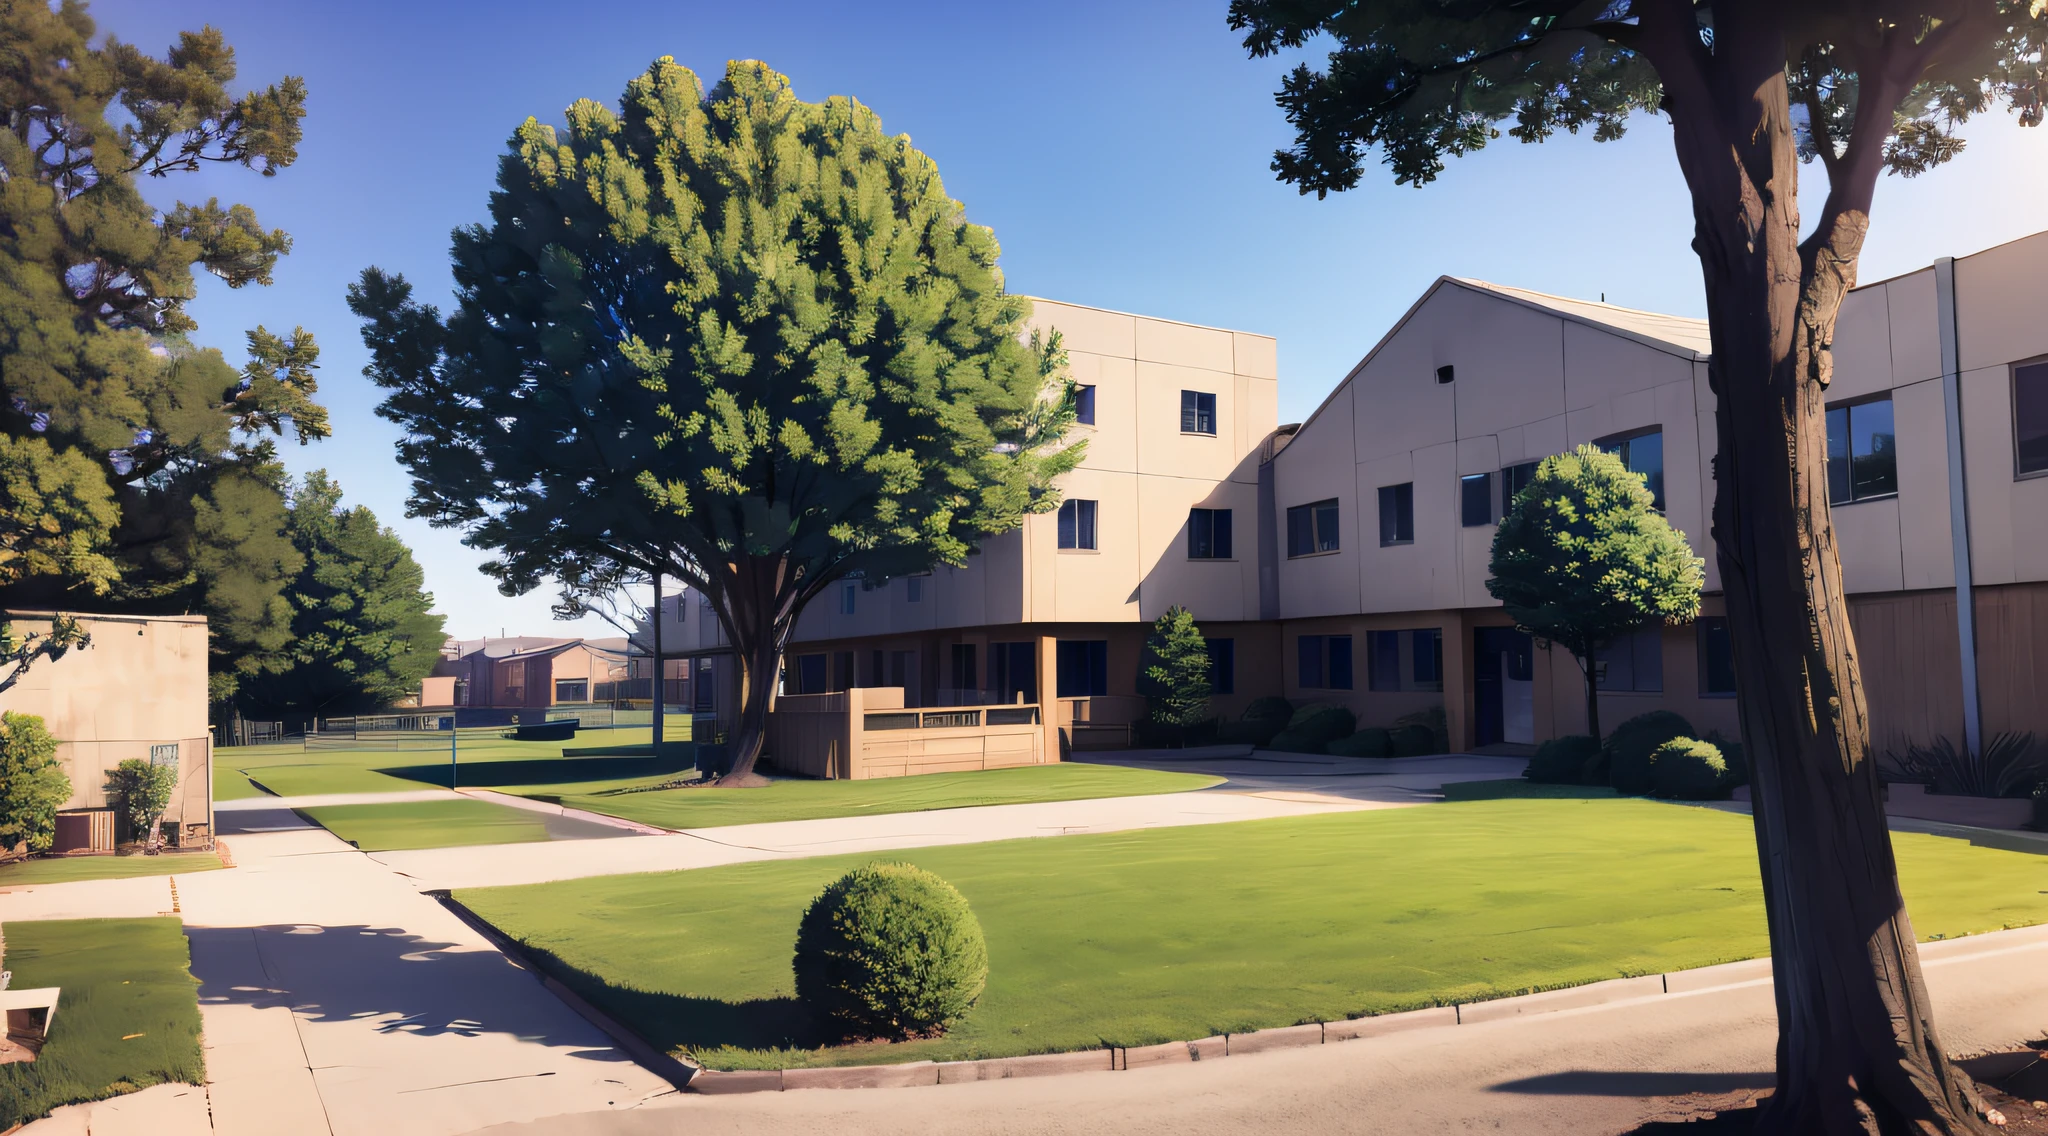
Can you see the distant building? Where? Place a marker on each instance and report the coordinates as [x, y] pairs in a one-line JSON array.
[[525, 671]]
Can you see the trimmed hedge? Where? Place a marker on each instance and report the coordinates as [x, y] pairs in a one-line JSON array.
[[1414, 741], [1371, 741], [1731, 752], [1687, 769], [1264, 719], [1632, 743], [889, 951], [1563, 761], [1270, 707]]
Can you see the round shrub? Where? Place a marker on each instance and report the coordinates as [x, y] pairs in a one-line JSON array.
[[1731, 752], [889, 951], [1324, 724], [1413, 741], [1270, 707], [1250, 731], [1562, 761], [1369, 742], [1686, 769], [1630, 745]]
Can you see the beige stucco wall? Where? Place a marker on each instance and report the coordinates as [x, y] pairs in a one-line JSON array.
[[141, 682]]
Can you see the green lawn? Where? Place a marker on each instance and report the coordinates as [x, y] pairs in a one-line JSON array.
[[1138, 938], [392, 767], [1508, 788], [68, 869], [128, 1017], [809, 800], [429, 824]]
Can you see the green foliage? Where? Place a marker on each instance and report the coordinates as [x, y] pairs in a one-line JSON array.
[[2010, 766], [1311, 728], [127, 465], [1632, 745], [737, 338], [1687, 769], [1270, 706], [140, 792], [363, 630], [32, 783], [889, 951], [1414, 741], [1174, 678], [1432, 719], [1369, 742], [1563, 761], [1731, 753], [1261, 722]]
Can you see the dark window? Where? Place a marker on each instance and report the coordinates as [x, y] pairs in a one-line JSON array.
[[963, 667], [809, 674], [1077, 524], [1475, 493], [1323, 662], [1642, 453], [706, 687], [1513, 480], [1083, 667], [1863, 452], [1208, 534], [1223, 666], [842, 670], [2030, 416], [1197, 413], [1084, 404], [1717, 656], [848, 595], [1312, 528], [1405, 660], [913, 589], [1397, 513], [572, 690], [1428, 655], [1634, 661], [1446, 374], [1383, 660], [875, 670], [1014, 672]]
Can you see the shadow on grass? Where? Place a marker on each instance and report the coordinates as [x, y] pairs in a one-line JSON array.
[[543, 771], [680, 1022], [1634, 1083]]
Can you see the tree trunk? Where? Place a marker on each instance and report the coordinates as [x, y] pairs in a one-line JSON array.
[[760, 671], [1592, 695], [760, 605], [1857, 1050]]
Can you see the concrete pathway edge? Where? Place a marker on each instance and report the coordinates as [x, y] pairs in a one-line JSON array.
[[1702, 980]]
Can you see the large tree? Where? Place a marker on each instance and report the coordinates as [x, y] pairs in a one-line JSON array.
[[139, 470], [363, 629], [739, 339], [1751, 88]]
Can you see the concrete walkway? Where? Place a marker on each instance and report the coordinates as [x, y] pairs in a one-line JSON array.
[[1596, 1071]]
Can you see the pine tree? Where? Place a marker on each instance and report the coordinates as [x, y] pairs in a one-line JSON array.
[[743, 340], [363, 632], [139, 469], [1175, 679]]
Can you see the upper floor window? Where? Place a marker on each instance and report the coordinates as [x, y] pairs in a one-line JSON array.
[[1863, 452], [1222, 665], [1208, 534], [1312, 528], [1642, 452], [848, 594], [1475, 499], [913, 588], [1084, 404], [1513, 480], [1397, 513], [1077, 524], [2030, 417], [1323, 662], [1197, 413], [1717, 657]]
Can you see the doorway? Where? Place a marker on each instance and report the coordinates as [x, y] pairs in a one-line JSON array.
[[1503, 686]]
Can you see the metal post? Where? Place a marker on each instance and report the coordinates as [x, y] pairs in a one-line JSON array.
[[1958, 498], [453, 734], [657, 664]]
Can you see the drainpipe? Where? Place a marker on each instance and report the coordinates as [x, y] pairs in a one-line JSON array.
[[1958, 498]]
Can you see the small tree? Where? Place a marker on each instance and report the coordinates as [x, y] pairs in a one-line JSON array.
[[140, 791], [32, 784], [1583, 556], [1175, 679]]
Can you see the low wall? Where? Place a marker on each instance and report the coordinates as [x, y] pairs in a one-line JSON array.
[[867, 732]]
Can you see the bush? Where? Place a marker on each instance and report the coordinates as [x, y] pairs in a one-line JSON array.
[[1369, 742], [32, 784], [1563, 761], [1262, 720], [1686, 769], [1433, 719], [1325, 724], [1414, 741], [1632, 743], [1731, 752], [1292, 741], [889, 951], [1270, 707], [140, 791]]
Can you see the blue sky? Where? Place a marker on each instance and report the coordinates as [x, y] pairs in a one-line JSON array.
[[1118, 150]]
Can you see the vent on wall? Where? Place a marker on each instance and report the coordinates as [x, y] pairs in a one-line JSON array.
[[1445, 374]]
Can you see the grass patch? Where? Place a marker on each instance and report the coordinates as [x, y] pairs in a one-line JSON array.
[[128, 1017], [403, 765], [1515, 788], [811, 800], [1138, 938], [428, 824], [70, 869]]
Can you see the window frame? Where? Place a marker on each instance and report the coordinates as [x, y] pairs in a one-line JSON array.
[[1702, 627], [1324, 649], [1194, 414], [1610, 443], [1848, 408], [1315, 511], [1508, 489], [1655, 632], [1084, 404], [1394, 490], [1082, 532], [582, 683], [1216, 540], [849, 597], [1092, 657], [1466, 499], [2013, 385], [913, 587]]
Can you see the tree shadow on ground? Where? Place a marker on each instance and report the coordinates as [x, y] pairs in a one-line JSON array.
[[681, 1022], [542, 771], [1635, 1083]]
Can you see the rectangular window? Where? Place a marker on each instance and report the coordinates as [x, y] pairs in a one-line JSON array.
[[1312, 528], [964, 678], [808, 675], [848, 594], [1427, 653], [1323, 662], [572, 690], [1634, 661], [1208, 534], [842, 670], [1863, 453], [1383, 660], [1717, 657], [1475, 499], [2030, 417], [1513, 480], [1197, 413], [1077, 524], [1084, 404], [1397, 513], [1405, 660], [1642, 452], [1083, 667], [913, 589], [706, 687], [1014, 672], [1222, 666]]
